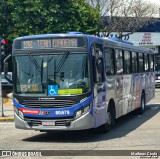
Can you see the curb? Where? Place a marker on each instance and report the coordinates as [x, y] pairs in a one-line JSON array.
[[6, 119]]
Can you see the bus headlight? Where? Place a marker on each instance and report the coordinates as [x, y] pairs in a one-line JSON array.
[[21, 114], [78, 113], [82, 111], [86, 109], [18, 112]]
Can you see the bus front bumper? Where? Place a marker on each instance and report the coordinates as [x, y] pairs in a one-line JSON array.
[[86, 121]]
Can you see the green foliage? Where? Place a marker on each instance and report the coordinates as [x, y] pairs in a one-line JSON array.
[[28, 17]]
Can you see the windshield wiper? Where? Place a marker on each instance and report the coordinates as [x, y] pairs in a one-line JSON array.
[[62, 60], [34, 62], [60, 64]]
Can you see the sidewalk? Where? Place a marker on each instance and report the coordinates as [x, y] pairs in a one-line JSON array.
[[8, 113]]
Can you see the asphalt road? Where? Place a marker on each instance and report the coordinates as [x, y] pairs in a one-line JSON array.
[[132, 132]]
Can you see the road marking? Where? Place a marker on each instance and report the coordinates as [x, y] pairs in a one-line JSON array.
[[4, 123]]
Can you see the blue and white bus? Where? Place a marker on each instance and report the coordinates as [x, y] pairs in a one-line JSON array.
[[76, 81]]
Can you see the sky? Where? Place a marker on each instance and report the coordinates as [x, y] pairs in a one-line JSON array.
[[157, 3]]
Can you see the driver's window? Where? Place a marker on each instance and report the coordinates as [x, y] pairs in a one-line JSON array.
[[98, 70]]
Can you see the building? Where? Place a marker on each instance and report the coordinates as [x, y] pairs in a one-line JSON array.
[[148, 36]]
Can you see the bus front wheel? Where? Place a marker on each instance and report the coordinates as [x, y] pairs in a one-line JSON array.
[[110, 121]]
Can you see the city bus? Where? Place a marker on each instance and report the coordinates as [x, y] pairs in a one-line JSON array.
[[76, 81]]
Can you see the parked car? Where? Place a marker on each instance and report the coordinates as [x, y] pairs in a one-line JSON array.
[[6, 83]]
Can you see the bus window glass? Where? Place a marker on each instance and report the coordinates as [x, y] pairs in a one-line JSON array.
[[109, 58], [127, 62], [146, 65], [134, 62], [98, 62], [28, 79], [119, 61], [45, 70], [141, 63], [151, 62]]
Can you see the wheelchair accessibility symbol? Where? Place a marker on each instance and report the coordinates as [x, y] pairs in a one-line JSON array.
[[52, 90]]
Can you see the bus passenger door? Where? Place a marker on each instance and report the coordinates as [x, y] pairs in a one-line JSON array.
[[99, 103]]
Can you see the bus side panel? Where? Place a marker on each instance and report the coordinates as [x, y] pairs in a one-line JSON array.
[[119, 90], [111, 92], [133, 92], [99, 110], [123, 94], [152, 85], [127, 105], [142, 86], [119, 94], [149, 87]]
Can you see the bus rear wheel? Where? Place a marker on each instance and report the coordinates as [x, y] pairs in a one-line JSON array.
[[141, 109], [110, 121]]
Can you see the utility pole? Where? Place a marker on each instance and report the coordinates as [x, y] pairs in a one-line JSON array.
[[1, 99]]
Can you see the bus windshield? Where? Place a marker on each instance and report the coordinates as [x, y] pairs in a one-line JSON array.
[[69, 73]]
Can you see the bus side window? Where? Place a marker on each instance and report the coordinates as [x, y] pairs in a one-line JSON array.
[[146, 64], [119, 61], [109, 59], [151, 62], [141, 62], [127, 62], [134, 62]]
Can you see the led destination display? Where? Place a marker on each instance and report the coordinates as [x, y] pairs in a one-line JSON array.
[[51, 43]]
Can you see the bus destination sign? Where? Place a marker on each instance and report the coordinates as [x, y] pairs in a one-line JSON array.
[[50, 43]]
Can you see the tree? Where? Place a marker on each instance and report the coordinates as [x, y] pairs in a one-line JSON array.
[[125, 15], [5, 20], [102, 5], [30, 17]]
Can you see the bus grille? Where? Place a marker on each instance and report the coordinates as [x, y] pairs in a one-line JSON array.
[[48, 103], [37, 122]]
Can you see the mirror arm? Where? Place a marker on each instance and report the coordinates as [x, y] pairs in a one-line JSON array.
[[6, 59]]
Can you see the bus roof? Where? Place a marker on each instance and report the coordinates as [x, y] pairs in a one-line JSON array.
[[78, 34], [113, 42]]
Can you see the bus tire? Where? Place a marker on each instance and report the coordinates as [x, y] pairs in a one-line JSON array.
[[110, 121], [141, 109]]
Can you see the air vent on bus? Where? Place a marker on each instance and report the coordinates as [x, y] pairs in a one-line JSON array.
[[48, 103]]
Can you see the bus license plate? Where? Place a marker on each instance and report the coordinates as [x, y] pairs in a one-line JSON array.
[[48, 123]]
